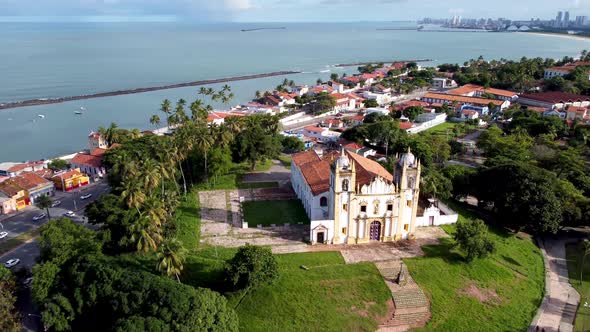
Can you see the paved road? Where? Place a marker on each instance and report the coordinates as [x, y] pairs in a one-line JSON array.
[[558, 309], [23, 222]]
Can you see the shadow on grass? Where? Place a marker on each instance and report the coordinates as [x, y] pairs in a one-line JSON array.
[[510, 260], [445, 251]]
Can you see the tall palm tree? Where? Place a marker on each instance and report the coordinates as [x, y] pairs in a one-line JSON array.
[[257, 94], [166, 108], [203, 142], [150, 175], [133, 195], [112, 134], [226, 88], [198, 112], [171, 257], [145, 236], [155, 121], [44, 203], [155, 211]]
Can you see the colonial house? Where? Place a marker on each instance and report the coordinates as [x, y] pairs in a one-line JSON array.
[[575, 112], [380, 98], [554, 100], [469, 115], [70, 180], [443, 83], [33, 185], [12, 198], [97, 141], [10, 169], [355, 120], [90, 164], [323, 135], [564, 70], [472, 90], [300, 90], [343, 102], [333, 124], [351, 199]]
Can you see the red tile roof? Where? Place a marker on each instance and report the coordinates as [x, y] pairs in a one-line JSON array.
[[28, 181], [317, 172], [68, 175], [98, 152], [405, 125], [463, 99], [555, 97], [304, 157], [469, 88], [87, 160], [314, 129]]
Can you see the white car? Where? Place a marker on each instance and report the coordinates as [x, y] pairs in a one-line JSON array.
[[27, 282], [87, 196], [3, 235], [12, 262], [39, 217], [56, 203], [69, 214]]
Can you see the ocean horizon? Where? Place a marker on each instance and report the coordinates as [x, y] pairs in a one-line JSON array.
[[52, 60]]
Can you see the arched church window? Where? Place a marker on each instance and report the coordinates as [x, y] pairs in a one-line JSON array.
[[323, 201], [344, 185]]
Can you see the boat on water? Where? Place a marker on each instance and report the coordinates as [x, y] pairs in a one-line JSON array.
[[41, 116], [80, 111]]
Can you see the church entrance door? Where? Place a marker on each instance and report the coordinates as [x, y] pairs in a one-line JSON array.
[[375, 231], [320, 237]]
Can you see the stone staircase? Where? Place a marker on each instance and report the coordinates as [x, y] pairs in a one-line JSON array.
[[412, 308]]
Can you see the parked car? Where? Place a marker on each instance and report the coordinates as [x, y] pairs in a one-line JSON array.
[[12, 262], [27, 282], [56, 203], [3, 235], [39, 216], [87, 196], [69, 214]]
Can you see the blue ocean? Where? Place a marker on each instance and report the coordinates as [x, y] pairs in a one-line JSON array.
[[48, 60]]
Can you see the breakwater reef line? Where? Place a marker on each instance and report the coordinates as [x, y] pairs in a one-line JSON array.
[[45, 101], [259, 29], [374, 62]]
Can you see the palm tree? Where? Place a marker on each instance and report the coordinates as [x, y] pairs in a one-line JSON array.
[[171, 257], [155, 121], [44, 203], [319, 81], [150, 175], [133, 195], [135, 133], [166, 108], [257, 94], [155, 211], [145, 236], [111, 134], [226, 88], [203, 142], [197, 111]]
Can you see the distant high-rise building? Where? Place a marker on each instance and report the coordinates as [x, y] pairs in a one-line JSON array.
[[566, 19], [581, 21], [559, 19]]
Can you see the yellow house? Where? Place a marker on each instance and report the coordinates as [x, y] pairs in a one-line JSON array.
[[70, 180], [13, 198]]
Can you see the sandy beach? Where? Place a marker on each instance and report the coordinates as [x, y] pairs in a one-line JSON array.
[[550, 34]]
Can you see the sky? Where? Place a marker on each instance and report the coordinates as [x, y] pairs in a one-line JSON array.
[[283, 10]]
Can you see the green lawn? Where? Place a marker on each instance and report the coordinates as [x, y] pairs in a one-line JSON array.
[[233, 180], [188, 221], [515, 273], [574, 253], [441, 129], [330, 296], [274, 212], [285, 159]]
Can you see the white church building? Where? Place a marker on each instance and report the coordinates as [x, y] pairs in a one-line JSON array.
[[351, 199]]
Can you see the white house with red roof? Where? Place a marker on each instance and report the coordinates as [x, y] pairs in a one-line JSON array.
[[351, 199], [322, 134], [300, 90], [343, 102]]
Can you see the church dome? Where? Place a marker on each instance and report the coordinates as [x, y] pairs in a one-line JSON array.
[[407, 159]]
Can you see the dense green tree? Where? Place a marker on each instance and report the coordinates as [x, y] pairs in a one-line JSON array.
[[253, 144], [523, 196], [251, 267], [9, 318], [472, 237], [369, 103], [58, 164], [292, 144], [435, 185], [411, 112], [62, 239]]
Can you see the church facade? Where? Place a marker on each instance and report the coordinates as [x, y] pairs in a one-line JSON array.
[[351, 199]]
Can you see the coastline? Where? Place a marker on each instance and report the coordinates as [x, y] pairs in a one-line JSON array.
[[374, 62], [46, 101], [555, 34]]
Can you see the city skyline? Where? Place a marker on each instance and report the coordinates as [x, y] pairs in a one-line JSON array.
[[280, 10]]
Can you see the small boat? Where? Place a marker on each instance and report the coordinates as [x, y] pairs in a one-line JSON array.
[[77, 112], [41, 116]]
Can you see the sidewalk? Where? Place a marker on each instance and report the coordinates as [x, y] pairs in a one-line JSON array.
[[558, 309]]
